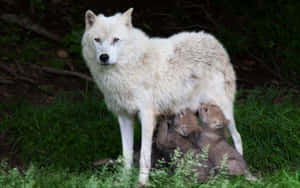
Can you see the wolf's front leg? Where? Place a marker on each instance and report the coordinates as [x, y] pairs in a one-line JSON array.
[[147, 118], [126, 126]]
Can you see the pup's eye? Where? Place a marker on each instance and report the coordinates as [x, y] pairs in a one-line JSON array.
[[115, 40], [205, 109], [97, 39]]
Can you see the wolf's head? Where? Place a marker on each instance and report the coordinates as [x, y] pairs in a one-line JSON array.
[[212, 116], [186, 123], [105, 36]]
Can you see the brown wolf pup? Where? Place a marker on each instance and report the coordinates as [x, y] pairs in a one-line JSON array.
[[168, 139], [212, 135]]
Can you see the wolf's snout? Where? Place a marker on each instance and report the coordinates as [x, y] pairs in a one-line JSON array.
[[104, 57]]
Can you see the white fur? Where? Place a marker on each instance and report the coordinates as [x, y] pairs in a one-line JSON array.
[[153, 76]]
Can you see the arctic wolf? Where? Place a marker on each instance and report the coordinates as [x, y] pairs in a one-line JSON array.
[[147, 77]]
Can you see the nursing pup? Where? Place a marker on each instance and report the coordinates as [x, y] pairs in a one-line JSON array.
[[212, 136], [168, 139]]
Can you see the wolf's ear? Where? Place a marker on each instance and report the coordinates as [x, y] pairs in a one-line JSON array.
[[90, 19], [127, 17]]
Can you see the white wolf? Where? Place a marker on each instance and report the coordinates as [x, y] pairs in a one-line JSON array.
[[147, 77]]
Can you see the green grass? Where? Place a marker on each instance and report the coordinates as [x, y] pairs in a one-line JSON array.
[[270, 132], [65, 134], [63, 139], [115, 178]]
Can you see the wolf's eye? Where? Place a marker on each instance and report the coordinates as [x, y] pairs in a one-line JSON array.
[[97, 39], [115, 40]]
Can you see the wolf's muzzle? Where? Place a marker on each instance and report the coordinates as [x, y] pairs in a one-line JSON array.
[[104, 57]]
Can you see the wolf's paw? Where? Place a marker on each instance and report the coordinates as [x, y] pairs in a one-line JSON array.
[[250, 177], [143, 179]]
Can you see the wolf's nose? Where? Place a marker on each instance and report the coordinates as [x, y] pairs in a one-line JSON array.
[[104, 57]]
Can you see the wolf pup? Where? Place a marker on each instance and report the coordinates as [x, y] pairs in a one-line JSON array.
[[168, 139], [147, 77], [212, 135]]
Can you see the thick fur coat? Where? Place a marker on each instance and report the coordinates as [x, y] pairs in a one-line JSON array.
[[153, 76]]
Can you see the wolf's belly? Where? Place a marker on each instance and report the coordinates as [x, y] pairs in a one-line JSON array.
[[178, 99]]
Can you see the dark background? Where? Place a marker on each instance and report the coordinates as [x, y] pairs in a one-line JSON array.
[[261, 36]]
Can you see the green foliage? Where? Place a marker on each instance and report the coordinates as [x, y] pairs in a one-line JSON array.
[[72, 134], [112, 177], [38, 5], [25, 47], [116, 177], [180, 172], [28, 48], [10, 38], [65, 134], [269, 31], [33, 49], [55, 62], [270, 132], [72, 41]]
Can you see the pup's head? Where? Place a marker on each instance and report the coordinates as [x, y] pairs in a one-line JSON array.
[[186, 123], [212, 116], [104, 36]]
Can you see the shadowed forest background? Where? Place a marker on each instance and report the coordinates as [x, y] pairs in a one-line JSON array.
[[261, 36], [52, 114]]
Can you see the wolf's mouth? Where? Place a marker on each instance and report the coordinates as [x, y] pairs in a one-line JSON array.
[[104, 63]]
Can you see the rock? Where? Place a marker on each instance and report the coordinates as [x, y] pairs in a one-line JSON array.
[[62, 53], [249, 62]]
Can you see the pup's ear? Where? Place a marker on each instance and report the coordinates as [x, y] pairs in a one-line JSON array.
[[90, 19], [204, 105], [211, 101], [127, 17]]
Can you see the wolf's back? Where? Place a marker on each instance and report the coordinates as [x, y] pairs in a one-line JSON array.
[[204, 50]]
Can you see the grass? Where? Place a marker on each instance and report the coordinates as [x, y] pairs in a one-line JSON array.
[[63, 139], [62, 134], [270, 132], [115, 178]]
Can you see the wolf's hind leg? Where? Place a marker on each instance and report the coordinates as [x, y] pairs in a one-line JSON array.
[[236, 137], [227, 107]]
